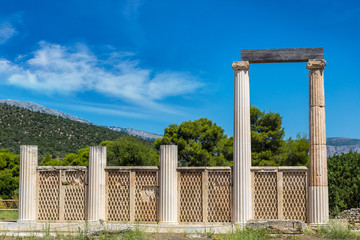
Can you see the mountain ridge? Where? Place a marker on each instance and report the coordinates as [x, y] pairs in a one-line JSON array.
[[42, 109]]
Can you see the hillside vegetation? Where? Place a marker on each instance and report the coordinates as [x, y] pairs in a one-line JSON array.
[[52, 134]]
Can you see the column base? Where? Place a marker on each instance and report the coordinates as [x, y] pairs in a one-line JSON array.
[[168, 223], [240, 224], [317, 224], [25, 221], [96, 221], [318, 205]]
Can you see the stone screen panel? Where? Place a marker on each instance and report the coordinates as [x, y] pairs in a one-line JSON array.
[[118, 201], [48, 195], [219, 197]]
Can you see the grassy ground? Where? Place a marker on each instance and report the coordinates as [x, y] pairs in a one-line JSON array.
[[8, 215], [334, 230]]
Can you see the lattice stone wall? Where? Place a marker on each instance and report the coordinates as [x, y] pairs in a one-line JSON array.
[[146, 196], [132, 194], [191, 199], [295, 195], [74, 184], [48, 195], [204, 194], [219, 198], [118, 196], [62, 193], [280, 192], [265, 195]]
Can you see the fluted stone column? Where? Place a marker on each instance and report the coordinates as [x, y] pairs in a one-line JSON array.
[[242, 202], [168, 184], [27, 183], [96, 174], [318, 189]]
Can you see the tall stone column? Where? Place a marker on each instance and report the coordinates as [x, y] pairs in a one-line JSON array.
[[242, 202], [27, 183], [96, 192], [168, 184], [318, 189]]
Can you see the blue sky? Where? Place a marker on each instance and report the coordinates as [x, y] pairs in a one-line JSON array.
[[146, 64]]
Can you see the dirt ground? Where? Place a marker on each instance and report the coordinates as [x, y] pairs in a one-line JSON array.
[[182, 236]]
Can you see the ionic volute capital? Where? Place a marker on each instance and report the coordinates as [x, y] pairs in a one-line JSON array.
[[241, 65], [316, 64]]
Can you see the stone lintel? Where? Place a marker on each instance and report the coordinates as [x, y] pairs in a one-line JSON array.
[[316, 64], [241, 65], [281, 55]]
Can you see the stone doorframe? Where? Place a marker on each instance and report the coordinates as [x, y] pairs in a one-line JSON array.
[[318, 212]]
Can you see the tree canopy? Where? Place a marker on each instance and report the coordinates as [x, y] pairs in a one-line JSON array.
[[126, 151], [9, 173], [130, 151], [344, 182], [268, 146], [200, 143]]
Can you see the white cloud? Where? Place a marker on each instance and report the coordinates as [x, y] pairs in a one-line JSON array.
[[66, 70], [6, 32]]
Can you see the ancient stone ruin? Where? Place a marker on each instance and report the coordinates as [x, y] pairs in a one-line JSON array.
[[189, 196]]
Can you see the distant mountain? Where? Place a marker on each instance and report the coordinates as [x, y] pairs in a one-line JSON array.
[[340, 145], [42, 109], [137, 133], [56, 135]]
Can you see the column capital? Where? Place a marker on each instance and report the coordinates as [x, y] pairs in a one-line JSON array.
[[316, 64], [241, 65]]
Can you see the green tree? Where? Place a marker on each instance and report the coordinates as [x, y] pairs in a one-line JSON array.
[[200, 143], [344, 182], [130, 151], [49, 161], [295, 152], [79, 159], [126, 151], [9, 173], [267, 136]]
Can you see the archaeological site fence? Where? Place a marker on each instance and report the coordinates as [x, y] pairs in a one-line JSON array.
[[204, 195]]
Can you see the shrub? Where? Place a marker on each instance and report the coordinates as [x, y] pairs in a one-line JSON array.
[[344, 182]]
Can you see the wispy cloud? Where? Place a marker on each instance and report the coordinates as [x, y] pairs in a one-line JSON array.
[[130, 9], [109, 111], [6, 31], [54, 68]]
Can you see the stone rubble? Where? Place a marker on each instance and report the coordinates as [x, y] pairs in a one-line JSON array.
[[352, 215]]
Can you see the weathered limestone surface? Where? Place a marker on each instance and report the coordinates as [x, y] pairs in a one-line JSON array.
[[96, 194], [168, 184], [242, 203], [317, 128], [27, 183], [318, 190], [318, 169], [279, 226], [319, 205], [241, 65]]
